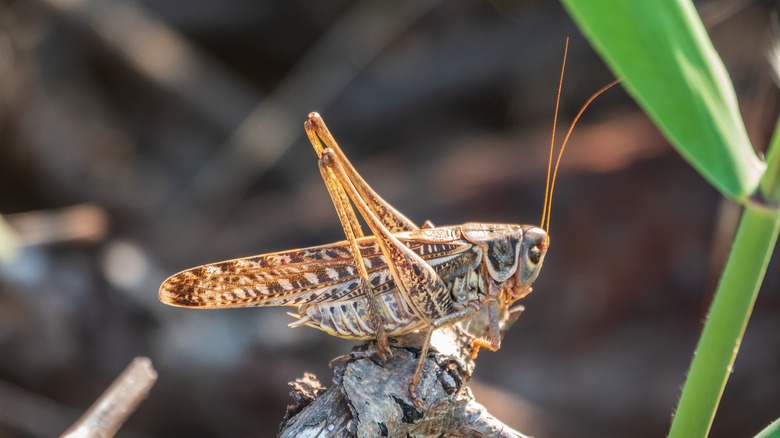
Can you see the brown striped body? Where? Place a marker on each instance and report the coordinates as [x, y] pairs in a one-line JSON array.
[[401, 279], [347, 318], [322, 282]]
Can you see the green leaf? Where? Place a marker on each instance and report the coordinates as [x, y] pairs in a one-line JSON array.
[[663, 54], [771, 431]]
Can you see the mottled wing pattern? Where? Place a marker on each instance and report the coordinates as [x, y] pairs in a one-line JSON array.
[[290, 278], [347, 317]]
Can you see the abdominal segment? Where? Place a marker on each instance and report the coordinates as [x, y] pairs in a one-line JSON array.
[[345, 314], [349, 318]]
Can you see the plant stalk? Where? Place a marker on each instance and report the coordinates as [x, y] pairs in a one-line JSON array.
[[731, 308]]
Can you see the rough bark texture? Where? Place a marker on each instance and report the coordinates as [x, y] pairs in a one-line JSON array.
[[370, 397]]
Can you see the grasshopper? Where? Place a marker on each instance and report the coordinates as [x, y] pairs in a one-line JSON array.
[[402, 279]]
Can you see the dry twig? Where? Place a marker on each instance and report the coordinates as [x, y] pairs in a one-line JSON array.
[[109, 412]]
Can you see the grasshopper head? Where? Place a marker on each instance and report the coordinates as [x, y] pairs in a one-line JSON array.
[[533, 248], [513, 254]]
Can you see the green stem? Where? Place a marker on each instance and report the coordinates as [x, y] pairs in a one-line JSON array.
[[732, 305], [770, 182], [726, 322]]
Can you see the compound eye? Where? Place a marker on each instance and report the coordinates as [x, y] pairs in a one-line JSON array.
[[535, 254]]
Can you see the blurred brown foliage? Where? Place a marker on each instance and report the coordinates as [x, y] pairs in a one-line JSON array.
[[143, 137]]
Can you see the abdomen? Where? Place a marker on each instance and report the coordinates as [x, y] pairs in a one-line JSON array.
[[349, 318]]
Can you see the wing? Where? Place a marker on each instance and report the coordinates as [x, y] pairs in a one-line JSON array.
[[347, 317], [292, 278]]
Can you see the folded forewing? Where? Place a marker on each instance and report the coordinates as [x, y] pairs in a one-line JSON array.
[[291, 278]]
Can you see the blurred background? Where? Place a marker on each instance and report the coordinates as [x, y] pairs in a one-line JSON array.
[[140, 138]]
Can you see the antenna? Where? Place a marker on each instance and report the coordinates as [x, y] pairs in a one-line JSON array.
[[547, 188], [552, 173], [548, 200]]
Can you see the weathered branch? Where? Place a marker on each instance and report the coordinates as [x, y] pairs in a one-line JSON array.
[[109, 412], [370, 397]]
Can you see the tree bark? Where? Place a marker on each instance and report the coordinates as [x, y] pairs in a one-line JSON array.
[[370, 397]]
